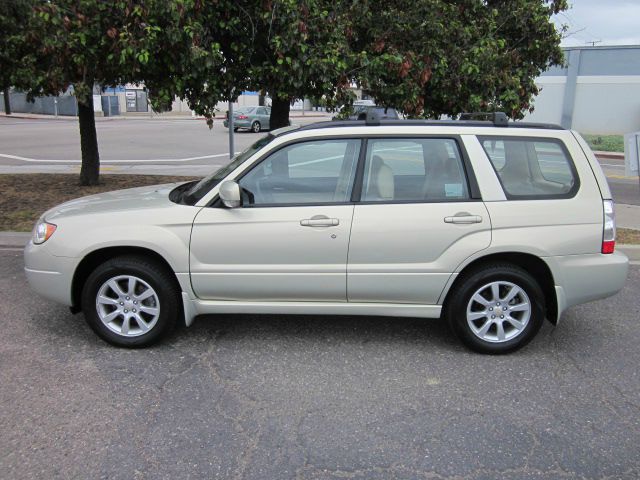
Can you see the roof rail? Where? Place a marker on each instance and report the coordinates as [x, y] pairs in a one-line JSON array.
[[499, 119]]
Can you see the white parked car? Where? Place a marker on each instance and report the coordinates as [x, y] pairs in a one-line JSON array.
[[493, 226]]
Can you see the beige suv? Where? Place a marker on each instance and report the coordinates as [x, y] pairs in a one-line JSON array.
[[493, 226]]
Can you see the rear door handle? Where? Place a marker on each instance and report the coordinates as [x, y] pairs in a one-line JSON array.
[[463, 218], [320, 221]]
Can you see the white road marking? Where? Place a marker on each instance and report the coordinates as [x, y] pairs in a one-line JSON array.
[[104, 162]]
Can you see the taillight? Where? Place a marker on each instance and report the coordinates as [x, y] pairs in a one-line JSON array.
[[609, 228], [242, 117]]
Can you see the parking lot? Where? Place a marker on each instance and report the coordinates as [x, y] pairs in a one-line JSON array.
[[174, 145], [166, 146], [315, 397]]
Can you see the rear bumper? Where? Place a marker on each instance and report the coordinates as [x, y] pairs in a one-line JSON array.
[[585, 278], [238, 123]]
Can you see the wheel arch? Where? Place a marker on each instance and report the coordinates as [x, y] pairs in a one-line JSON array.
[[533, 264], [101, 255]]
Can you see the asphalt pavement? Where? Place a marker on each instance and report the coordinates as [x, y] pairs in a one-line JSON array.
[[312, 397], [144, 145]]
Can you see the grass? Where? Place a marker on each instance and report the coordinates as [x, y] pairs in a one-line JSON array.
[[605, 143], [626, 236], [26, 196]]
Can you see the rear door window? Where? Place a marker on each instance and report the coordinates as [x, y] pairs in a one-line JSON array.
[[414, 170], [531, 168]]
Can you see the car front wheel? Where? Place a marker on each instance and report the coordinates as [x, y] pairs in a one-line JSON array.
[[130, 301], [496, 309], [255, 126]]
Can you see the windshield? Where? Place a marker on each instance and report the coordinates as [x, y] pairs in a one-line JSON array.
[[200, 189], [244, 110]]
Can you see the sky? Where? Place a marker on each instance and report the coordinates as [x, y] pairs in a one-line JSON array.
[[607, 22]]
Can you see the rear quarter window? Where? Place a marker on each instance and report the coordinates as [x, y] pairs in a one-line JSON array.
[[532, 168]]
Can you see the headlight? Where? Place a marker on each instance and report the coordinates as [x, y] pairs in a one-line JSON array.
[[43, 232]]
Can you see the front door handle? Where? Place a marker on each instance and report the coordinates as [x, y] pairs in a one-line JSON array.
[[463, 217], [319, 221]]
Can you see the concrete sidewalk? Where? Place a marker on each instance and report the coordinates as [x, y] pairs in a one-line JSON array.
[[628, 216], [14, 239], [20, 239]]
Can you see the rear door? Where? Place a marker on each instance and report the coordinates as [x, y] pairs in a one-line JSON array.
[[419, 216]]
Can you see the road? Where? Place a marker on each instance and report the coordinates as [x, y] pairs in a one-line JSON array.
[[624, 189], [159, 145], [293, 397], [136, 145]]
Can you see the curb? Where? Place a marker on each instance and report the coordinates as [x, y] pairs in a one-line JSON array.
[[26, 116], [610, 155]]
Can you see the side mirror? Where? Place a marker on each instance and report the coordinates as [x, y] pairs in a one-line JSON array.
[[230, 194]]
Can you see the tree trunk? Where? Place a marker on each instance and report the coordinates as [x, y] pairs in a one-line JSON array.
[[279, 113], [90, 170], [7, 101], [261, 100]]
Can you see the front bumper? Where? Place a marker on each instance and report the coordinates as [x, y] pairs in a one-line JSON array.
[[49, 275]]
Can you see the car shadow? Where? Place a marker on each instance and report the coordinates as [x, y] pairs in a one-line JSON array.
[[432, 334], [319, 328]]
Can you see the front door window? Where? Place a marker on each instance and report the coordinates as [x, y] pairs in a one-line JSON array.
[[307, 173]]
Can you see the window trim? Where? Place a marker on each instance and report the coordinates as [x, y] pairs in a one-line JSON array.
[[509, 196]]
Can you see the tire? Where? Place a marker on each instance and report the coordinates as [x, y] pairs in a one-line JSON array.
[[482, 320], [256, 127], [235, 129], [148, 318]]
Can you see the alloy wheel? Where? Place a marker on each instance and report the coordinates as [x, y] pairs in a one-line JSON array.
[[498, 311], [127, 305]]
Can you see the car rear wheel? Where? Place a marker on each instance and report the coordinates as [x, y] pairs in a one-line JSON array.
[[255, 127], [130, 301], [496, 309]]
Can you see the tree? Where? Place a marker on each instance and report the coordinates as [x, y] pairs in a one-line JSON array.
[[425, 57], [81, 44], [14, 58], [300, 50], [289, 49], [439, 57]]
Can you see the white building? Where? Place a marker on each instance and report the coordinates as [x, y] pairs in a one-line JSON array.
[[597, 92]]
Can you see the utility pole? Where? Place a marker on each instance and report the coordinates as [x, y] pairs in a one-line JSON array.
[[593, 44]]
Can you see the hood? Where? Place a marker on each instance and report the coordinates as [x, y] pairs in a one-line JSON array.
[[141, 198]]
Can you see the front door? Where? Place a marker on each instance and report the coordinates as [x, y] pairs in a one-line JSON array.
[[416, 222], [289, 239]]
